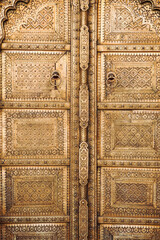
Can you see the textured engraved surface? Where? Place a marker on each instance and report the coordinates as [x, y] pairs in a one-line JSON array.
[[84, 106], [35, 190], [155, 3], [84, 47], [35, 133], [5, 5], [127, 22], [126, 232], [39, 21], [24, 79], [83, 223], [83, 163], [136, 76], [37, 27], [131, 77], [129, 192], [84, 4], [129, 135], [35, 232]]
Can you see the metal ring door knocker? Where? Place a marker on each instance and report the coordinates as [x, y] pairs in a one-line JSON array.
[[111, 82], [56, 79]]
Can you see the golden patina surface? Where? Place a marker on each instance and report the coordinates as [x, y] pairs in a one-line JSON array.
[[80, 120]]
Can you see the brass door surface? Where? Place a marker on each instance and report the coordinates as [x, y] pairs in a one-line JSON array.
[[128, 120], [80, 120]]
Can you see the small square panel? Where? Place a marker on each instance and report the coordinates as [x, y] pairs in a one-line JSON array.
[[35, 76], [129, 192], [129, 135], [33, 191], [35, 133], [35, 231], [126, 232]]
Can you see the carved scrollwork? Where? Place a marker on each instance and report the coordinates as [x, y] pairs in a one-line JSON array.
[[83, 220], [84, 5], [155, 3], [83, 163], [3, 13], [84, 106], [84, 47]]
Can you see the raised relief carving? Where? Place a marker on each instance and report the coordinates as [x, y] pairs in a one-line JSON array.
[[155, 3], [35, 231], [4, 7], [129, 192], [129, 135], [84, 5], [24, 79], [83, 220], [83, 163], [125, 232], [127, 22], [36, 191], [135, 77], [39, 22], [84, 47], [84, 105], [35, 133]]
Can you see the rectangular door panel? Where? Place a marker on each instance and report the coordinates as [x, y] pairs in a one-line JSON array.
[[35, 76], [35, 231], [33, 133], [126, 232], [129, 78], [129, 192], [132, 135], [32, 191]]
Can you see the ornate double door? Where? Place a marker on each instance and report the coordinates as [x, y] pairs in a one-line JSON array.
[[80, 120]]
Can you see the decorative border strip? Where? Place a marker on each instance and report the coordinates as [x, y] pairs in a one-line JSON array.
[[40, 219], [84, 120], [75, 76], [92, 129]]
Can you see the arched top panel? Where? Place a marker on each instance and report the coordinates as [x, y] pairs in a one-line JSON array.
[[38, 21], [5, 6], [128, 21]]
